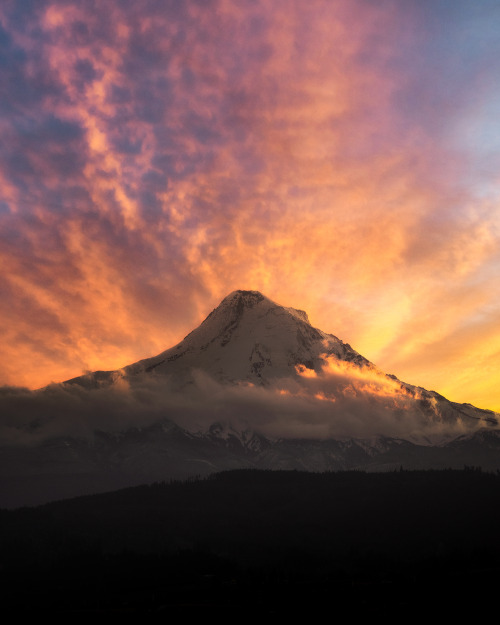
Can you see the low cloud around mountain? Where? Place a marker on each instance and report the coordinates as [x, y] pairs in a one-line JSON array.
[[340, 401]]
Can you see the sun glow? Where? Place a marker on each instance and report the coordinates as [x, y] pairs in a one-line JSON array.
[[158, 158]]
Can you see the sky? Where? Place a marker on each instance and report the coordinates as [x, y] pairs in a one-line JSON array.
[[340, 156]]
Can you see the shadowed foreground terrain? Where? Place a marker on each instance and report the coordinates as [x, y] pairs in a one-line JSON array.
[[278, 543]]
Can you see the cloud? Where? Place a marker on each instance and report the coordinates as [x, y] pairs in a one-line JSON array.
[[341, 400], [157, 156]]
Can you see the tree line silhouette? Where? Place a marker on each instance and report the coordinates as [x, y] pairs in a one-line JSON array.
[[206, 542]]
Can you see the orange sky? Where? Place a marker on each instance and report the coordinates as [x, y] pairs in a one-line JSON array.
[[341, 157]]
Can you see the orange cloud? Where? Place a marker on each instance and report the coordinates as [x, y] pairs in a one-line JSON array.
[[350, 380], [212, 147]]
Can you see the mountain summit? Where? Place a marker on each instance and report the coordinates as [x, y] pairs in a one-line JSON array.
[[248, 337]]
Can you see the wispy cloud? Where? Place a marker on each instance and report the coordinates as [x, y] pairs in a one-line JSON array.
[[157, 155]]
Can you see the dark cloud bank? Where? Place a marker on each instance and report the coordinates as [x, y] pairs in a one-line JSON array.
[[320, 407]]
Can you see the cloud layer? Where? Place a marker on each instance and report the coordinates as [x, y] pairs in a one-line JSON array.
[[338, 156], [341, 400]]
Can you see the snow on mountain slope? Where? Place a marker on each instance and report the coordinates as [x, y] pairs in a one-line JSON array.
[[249, 339]]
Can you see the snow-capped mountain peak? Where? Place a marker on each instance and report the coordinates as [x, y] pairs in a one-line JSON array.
[[249, 338]]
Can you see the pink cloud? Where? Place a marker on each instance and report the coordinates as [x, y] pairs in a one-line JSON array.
[[164, 155]]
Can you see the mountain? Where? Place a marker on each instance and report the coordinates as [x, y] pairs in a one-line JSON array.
[[252, 340], [254, 386], [247, 337]]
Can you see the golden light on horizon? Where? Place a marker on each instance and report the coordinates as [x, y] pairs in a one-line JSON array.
[[159, 158]]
